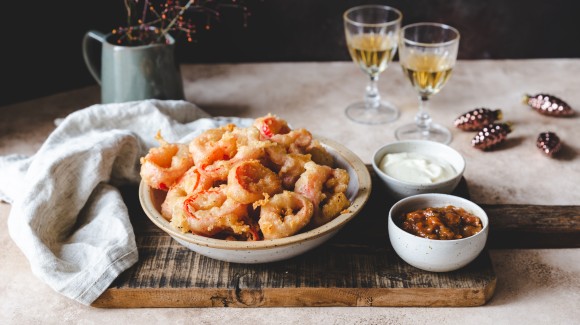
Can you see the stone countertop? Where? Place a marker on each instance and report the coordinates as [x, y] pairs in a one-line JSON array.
[[534, 285]]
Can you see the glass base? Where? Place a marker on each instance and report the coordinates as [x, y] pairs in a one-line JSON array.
[[435, 133], [360, 113]]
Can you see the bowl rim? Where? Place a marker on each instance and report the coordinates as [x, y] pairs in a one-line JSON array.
[[360, 199], [414, 184], [483, 232]]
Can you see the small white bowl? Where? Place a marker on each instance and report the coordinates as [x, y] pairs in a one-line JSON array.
[[263, 251], [432, 254], [399, 188]]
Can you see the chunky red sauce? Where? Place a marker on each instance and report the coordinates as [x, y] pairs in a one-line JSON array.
[[449, 222]]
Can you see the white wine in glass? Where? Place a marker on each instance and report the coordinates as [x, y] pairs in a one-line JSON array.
[[427, 53], [372, 38], [371, 52], [428, 73]]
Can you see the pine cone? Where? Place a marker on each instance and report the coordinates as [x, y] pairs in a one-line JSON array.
[[549, 105], [476, 119], [549, 143], [491, 135]]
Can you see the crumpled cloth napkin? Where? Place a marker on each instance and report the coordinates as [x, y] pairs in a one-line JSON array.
[[67, 215]]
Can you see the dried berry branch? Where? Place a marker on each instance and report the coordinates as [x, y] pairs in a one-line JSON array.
[[159, 18]]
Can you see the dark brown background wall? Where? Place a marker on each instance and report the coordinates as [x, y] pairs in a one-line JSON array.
[[41, 40]]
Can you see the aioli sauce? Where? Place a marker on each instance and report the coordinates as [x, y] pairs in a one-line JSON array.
[[416, 168]]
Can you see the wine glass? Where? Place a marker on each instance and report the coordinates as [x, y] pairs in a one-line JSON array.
[[427, 54], [372, 33]]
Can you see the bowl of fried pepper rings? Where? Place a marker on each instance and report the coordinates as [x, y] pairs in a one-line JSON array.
[[255, 194]]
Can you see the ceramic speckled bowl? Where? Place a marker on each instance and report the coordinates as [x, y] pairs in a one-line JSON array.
[[400, 189], [272, 250], [431, 254]]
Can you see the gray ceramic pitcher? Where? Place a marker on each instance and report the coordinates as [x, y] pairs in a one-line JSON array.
[[129, 73]]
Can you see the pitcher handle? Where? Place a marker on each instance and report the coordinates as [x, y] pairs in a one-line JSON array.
[[90, 57]]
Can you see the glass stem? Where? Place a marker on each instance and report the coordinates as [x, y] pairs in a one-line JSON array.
[[372, 96], [423, 119]]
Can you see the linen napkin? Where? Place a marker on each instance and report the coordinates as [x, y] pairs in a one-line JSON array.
[[67, 215]]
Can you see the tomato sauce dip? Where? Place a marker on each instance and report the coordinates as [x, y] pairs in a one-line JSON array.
[[444, 223]]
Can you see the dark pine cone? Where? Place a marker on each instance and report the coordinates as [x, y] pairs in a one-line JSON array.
[[549, 143], [549, 105], [491, 135], [476, 119]]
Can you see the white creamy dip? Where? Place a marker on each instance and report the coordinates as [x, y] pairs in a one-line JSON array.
[[416, 168]]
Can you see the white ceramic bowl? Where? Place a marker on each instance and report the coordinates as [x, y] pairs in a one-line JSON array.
[[400, 189], [431, 254], [272, 250]]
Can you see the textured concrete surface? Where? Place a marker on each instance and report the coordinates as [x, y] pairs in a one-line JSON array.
[[534, 285]]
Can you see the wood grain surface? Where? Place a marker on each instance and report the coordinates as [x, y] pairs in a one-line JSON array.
[[357, 267], [533, 226]]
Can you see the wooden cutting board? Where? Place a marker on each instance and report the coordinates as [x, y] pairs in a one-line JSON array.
[[357, 267]]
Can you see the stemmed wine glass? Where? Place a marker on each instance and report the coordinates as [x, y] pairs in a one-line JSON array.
[[427, 54], [372, 33]]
